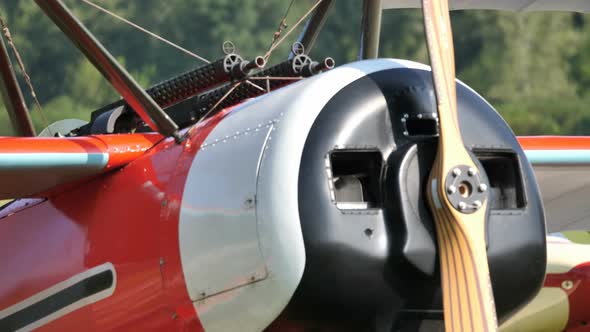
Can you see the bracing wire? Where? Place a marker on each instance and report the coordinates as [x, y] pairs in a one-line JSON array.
[[277, 43], [282, 26], [144, 30], [23, 70], [278, 38]]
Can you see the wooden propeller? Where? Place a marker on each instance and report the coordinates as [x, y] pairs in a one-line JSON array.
[[457, 194]]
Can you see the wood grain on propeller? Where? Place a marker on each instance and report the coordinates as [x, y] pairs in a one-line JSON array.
[[457, 200]]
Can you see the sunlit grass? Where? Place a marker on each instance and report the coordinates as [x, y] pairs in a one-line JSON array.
[[578, 236]]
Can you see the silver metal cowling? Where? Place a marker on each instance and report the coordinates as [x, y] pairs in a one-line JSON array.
[[241, 244]]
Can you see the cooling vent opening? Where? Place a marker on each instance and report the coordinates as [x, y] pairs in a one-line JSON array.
[[356, 179], [504, 174], [421, 127]]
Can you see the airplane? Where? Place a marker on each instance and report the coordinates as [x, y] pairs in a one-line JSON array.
[[379, 195]]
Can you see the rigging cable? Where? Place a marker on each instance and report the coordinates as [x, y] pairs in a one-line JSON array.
[[276, 44], [282, 26], [277, 40], [154, 35], [191, 131], [21, 66], [273, 46]]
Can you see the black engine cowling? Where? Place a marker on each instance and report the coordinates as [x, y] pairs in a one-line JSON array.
[[369, 236]]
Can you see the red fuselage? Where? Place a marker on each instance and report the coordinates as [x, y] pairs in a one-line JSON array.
[[127, 217]]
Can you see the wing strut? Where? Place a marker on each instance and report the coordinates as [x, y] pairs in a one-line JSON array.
[[120, 79], [457, 193], [370, 29], [12, 95], [313, 26]]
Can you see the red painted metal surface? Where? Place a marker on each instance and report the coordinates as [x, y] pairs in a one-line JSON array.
[[128, 217], [44, 181], [576, 283], [121, 149], [554, 142]]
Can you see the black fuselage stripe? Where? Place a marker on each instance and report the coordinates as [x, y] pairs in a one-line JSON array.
[[57, 301]]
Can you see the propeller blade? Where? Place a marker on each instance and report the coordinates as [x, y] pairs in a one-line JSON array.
[[457, 194]]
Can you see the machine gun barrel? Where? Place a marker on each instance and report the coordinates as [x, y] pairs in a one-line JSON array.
[[204, 78], [300, 66], [175, 91], [191, 83], [317, 67], [242, 69]]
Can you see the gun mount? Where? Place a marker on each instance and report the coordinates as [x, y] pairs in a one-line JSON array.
[[231, 67], [300, 66], [193, 95]]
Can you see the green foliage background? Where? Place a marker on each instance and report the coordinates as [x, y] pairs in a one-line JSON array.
[[534, 68]]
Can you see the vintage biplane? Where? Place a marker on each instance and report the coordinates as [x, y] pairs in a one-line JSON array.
[[380, 195]]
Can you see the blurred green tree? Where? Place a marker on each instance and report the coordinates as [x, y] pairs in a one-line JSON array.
[[534, 67]]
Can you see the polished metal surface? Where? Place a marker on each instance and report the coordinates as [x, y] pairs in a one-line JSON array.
[[466, 189], [291, 112], [219, 242]]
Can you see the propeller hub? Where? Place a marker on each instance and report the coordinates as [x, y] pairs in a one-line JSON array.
[[466, 188]]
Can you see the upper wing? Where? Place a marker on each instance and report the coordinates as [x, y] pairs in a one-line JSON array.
[[30, 166], [562, 168], [582, 6]]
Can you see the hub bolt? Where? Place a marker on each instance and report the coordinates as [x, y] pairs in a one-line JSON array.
[[451, 189], [462, 206]]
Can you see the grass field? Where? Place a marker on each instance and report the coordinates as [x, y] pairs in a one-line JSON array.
[[578, 236]]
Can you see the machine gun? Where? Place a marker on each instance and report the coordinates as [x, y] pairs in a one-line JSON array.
[[117, 117], [196, 94], [229, 68], [298, 67]]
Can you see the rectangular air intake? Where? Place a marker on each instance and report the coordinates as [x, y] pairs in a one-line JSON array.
[[422, 124], [355, 179], [504, 173]]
